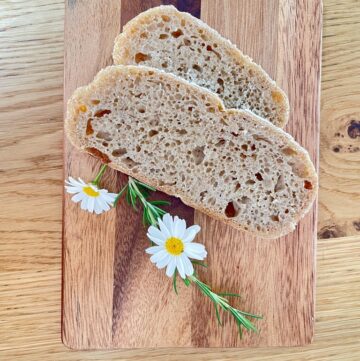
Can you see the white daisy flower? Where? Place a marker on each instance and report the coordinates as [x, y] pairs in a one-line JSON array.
[[91, 197], [174, 246]]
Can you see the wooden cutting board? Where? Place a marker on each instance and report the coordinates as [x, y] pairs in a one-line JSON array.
[[113, 297]]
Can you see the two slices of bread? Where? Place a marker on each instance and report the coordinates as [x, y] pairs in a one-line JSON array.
[[178, 43], [178, 137]]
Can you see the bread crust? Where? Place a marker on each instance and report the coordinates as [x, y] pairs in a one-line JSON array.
[[123, 43], [111, 73]]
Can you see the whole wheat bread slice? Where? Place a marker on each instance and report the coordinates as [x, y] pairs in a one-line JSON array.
[[177, 137], [178, 43]]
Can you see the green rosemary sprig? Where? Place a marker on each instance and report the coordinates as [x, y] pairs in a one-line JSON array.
[[221, 302], [137, 191]]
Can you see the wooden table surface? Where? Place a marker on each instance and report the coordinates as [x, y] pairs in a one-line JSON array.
[[31, 77]]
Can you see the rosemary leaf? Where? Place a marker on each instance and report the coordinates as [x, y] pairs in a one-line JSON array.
[[160, 203], [217, 314], [174, 282], [202, 264]]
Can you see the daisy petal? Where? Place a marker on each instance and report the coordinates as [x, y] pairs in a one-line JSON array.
[[167, 222], [155, 232], [84, 202], [80, 183], [195, 250], [158, 256], [104, 205], [179, 227], [163, 229], [153, 249], [91, 204], [78, 197], [190, 233], [72, 190], [180, 267], [170, 269], [189, 269], [158, 241], [97, 207], [107, 197], [163, 262], [195, 247]]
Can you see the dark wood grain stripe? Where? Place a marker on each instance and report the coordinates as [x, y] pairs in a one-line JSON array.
[[129, 229]]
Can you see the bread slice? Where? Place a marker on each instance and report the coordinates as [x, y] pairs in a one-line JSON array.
[[178, 137], [178, 43]]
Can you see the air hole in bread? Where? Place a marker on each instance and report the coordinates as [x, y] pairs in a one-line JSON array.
[[243, 156], [141, 110], [104, 135], [197, 68], [275, 218], [299, 169], [280, 184], [138, 148], [261, 138], [89, 128], [98, 154], [130, 162], [308, 185], [198, 154], [245, 200], [163, 36], [164, 65], [286, 211], [211, 110], [244, 147], [144, 35], [140, 57], [250, 182], [165, 18], [258, 176], [119, 152], [177, 33], [187, 42], [95, 101], [202, 195], [235, 134], [237, 186], [231, 210], [181, 131], [220, 143], [289, 151], [276, 96], [153, 132], [101, 112]]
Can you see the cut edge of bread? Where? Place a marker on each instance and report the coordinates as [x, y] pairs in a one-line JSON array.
[[123, 40], [101, 79]]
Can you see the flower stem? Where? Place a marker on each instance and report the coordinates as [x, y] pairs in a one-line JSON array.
[[97, 179]]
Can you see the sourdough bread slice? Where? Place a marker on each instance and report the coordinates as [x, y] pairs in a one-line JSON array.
[[178, 43], [178, 137]]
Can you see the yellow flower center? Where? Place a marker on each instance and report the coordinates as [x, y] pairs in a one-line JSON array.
[[89, 191], [174, 246]]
